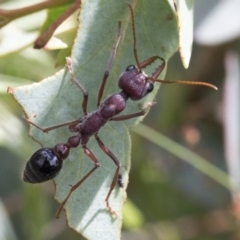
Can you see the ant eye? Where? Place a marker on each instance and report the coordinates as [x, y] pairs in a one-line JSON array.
[[150, 87], [130, 67]]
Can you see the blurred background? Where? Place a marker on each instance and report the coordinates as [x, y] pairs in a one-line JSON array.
[[168, 198]]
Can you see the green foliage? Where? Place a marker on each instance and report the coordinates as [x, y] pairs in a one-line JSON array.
[[167, 198], [55, 101]]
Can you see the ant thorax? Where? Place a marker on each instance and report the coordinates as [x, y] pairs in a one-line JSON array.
[[113, 105], [92, 122]]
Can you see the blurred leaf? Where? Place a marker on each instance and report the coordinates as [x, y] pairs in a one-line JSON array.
[[8, 37], [35, 205], [9, 129], [232, 116], [221, 25], [63, 38], [52, 15], [6, 231], [185, 24], [55, 101], [21, 19], [7, 81], [64, 35], [198, 162], [132, 216], [28, 21], [22, 29], [60, 60]]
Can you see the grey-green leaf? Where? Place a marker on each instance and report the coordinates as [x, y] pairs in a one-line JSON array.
[[56, 100]]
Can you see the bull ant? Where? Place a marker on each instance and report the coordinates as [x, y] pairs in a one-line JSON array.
[[46, 163]]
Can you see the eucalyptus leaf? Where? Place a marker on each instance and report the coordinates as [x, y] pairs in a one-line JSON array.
[[56, 100], [185, 23]]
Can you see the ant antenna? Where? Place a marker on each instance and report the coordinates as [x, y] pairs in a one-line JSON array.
[[134, 36], [187, 82], [154, 77]]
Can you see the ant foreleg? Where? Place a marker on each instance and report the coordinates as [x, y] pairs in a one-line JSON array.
[[116, 175], [52, 127], [90, 154], [79, 86], [110, 61]]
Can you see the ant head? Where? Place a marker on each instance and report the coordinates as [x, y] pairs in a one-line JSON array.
[[42, 166], [135, 83], [136, 76]]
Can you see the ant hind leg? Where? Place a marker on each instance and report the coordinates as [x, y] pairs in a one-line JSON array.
[[52, 127]]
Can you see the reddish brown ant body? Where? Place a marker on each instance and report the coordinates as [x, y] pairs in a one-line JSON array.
[[46, 163]]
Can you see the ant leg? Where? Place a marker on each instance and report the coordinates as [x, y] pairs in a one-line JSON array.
[[79, 86], [90, 154], [129, 116], [110, 61], [117, 177], [133, 115], [52, 127]]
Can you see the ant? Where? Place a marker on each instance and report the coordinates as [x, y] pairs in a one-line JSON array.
[[46, 163]]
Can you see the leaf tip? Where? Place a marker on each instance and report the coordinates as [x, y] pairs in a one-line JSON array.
[[10, 90]]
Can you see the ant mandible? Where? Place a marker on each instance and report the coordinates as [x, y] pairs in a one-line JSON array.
[[46, 163]]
